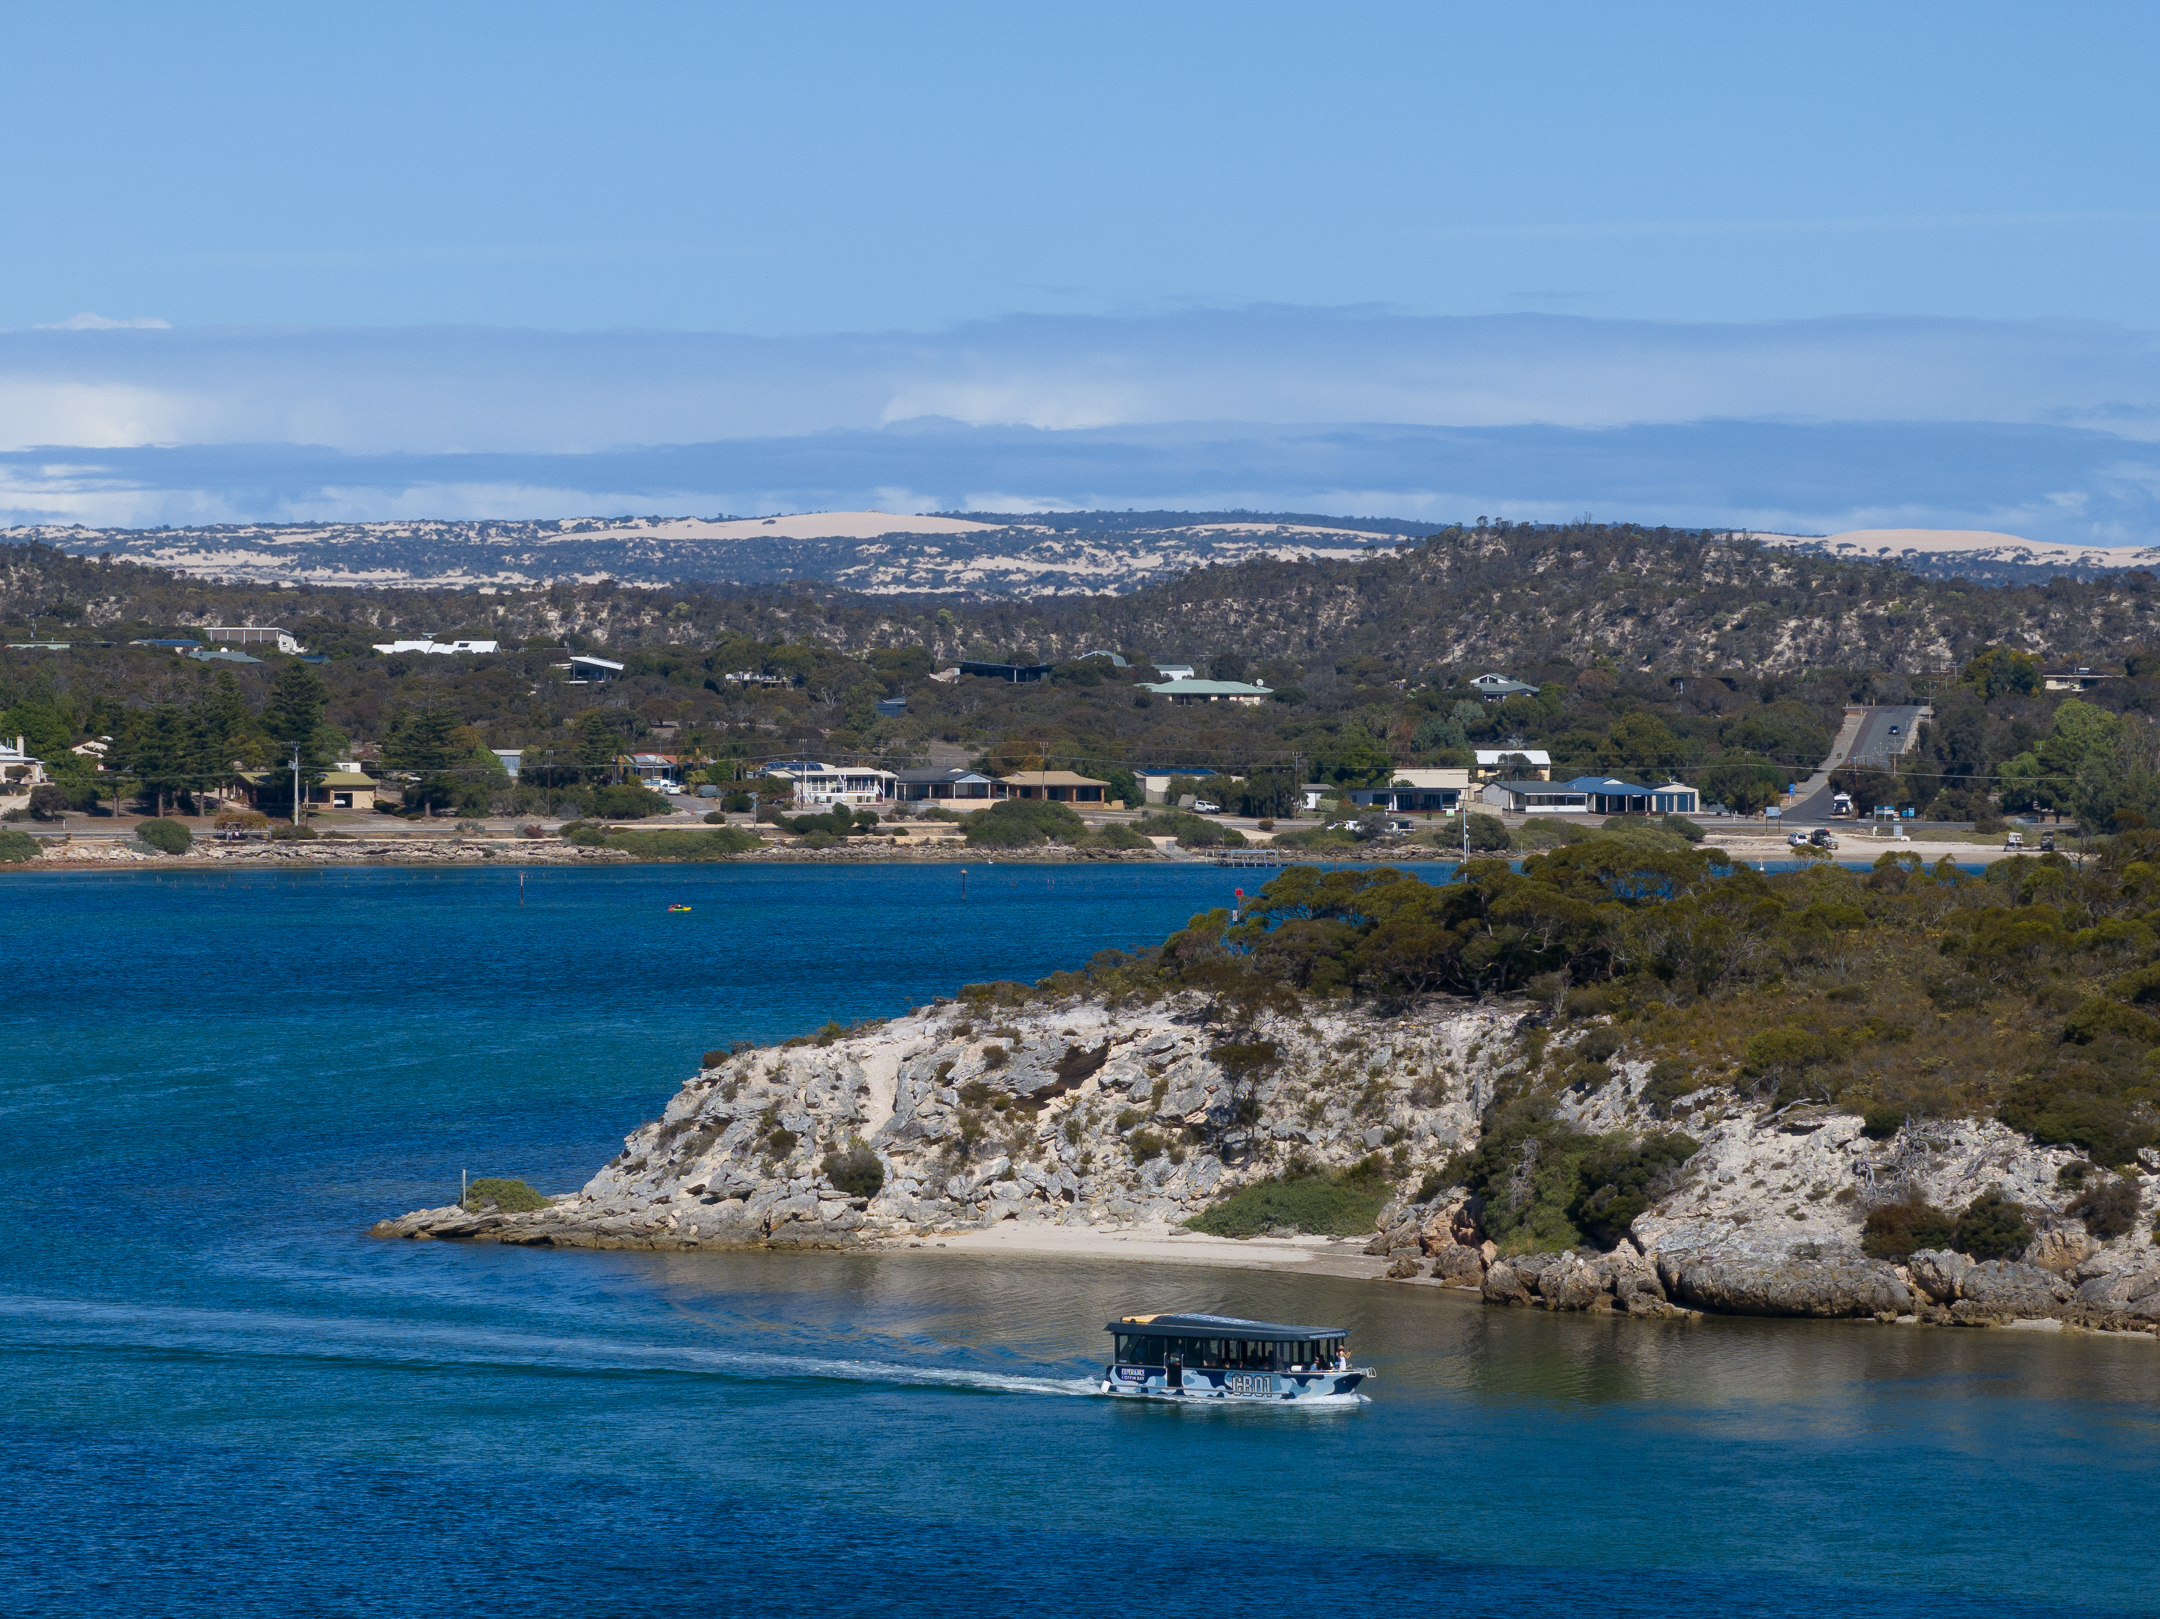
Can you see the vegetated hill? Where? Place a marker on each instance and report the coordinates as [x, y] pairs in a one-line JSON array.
[[998, 555], [1642, 598]]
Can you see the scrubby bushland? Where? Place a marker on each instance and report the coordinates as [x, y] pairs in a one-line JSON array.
[[1992, 1227], [628, 802], [683, 843], [1020, 823], [167, 837], [1340, 1205], [510, 1196], [17, 846], [2109, 1208], [1192, 831], [1897, 1231], [855, 1170], [1547, 1185]]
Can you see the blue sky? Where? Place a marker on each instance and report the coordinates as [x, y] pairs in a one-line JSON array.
[[405, 233]]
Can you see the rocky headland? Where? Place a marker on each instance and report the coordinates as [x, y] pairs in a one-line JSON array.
[[1078, 1112]]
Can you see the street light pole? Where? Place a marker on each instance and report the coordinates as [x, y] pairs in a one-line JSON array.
[[296, 784]]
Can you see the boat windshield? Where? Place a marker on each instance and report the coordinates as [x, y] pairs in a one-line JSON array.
[[1231, 1354]]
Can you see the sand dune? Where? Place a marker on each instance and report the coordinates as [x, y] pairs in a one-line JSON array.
[[1891, 544]]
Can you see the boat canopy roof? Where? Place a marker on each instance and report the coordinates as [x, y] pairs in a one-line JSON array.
[[1219, 1326]]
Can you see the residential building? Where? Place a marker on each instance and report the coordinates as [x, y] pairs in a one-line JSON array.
[[656, 770], [817, 783], [1188, 690], [1176, 671], [1058, 786], [1494, 687], [1018, 674], [960, 788], [1538, 797], [430, 645], [343, 789], [2078, 679], [1312, 792], [892, 707], [750, 677], [511, 759], [1518, 764], [219, 654], [18, 770], [1425, 791], [1609, 795], [168, 644], [1116, 662], [590, 671], [1165, 784], [94, 750], [268, 635]]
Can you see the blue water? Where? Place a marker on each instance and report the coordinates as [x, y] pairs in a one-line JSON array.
[[218, 1397]]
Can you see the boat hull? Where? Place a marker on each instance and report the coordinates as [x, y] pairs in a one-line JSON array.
[[1205, 1383]]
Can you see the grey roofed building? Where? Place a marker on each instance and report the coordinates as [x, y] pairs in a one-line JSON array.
[[1018, 674], [1497, 686], [585, 669], [1115, 660], [1536, 797], [1207, 691], [943, 784]]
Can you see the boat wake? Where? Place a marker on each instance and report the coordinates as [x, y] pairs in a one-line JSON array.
[[72, 1324]]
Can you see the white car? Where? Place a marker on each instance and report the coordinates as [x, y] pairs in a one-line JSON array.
[[1202, 807]]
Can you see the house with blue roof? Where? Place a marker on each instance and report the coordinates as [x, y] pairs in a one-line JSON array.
[[1609, 795]]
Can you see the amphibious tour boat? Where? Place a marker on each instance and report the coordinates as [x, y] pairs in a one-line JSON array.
[[1221, 1357]]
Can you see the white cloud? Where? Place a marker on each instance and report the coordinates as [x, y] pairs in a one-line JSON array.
[[87, 322]]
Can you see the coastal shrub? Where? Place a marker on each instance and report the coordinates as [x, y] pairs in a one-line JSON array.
[[289, 833], [1545, 832], [49, 802], [1340, 1205], [1192, 831], [1681, 826], [1021, 823], [1617, 1179], [17, 846], [1488, 834], [856, 1170], [1117, 835], [510, 1196], [1879, 1121], [673, 845], [715, 818], [165, 836], [1144, 1144], [1992, 1227], [1670, 1079], [780, 1141], [583, 833], [2108, 1208], [1897, 1231], [627, 802], [1432, 1186]]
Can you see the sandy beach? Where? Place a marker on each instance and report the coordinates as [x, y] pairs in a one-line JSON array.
[[1159, 1243]]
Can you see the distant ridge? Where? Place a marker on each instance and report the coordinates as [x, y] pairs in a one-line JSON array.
[[1982, 555]]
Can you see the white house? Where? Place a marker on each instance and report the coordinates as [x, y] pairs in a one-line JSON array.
[[1527, 763], [18, 770], [1175, 671], [817, 783], [430, 645], [254, 635], [1537, 797]]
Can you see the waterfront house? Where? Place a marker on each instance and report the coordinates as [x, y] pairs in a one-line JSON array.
[[343, 789], [950, 785], [1609, 795], [1416, 791], [1538, 797], [18, 770], [816, 783], [1057, 786], [2077, 679], [1165, 784]]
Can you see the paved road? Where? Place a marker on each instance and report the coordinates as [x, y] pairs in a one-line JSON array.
[[1883, 734]]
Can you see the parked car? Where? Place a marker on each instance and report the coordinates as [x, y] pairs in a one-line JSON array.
[[1822, 839], [2015, 840], [2047, 843], [1202, 806], [1794, 840]]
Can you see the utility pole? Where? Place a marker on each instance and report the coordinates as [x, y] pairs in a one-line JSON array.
[[296, 784]]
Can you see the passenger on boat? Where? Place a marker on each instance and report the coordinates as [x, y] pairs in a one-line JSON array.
[[1342, 1357]]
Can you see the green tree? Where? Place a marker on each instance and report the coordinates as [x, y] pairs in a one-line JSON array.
[[294, 713], [596, 744]]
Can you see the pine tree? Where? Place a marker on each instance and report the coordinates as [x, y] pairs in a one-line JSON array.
[[295, 710]]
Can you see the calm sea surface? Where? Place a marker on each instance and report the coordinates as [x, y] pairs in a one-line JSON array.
[[218, 1397]]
